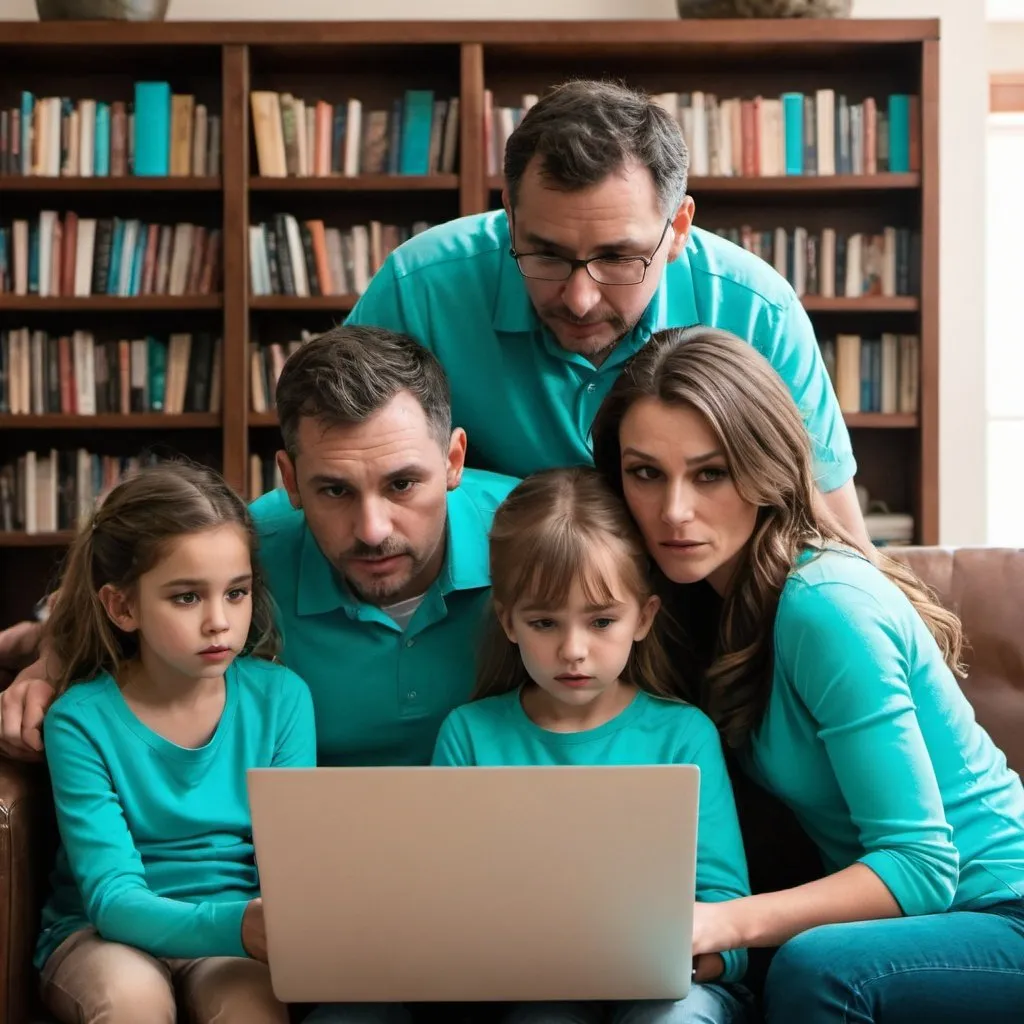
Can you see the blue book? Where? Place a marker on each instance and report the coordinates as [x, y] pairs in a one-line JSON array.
[[28, 103], [116, 245], [33, 257], [156, 357], [152, 129], [899, 133], [101, 140], [395, 135], [416, 122], [338, 138], [793, 126], [139, 260]]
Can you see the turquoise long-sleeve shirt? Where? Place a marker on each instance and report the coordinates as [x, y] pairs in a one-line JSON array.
[[497, 731], [156, 839], [869, 738]]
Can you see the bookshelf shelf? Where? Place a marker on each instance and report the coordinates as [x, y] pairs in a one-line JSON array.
[[262, 419], [861, 304], [881, 421], [358, 183], [797, 183], [128, 183], [109, 303], [298, 303], [17, 539], [113, 421]]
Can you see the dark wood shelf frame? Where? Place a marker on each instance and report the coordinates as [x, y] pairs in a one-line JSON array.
[[112, 421], [108, 303], [125, 183]]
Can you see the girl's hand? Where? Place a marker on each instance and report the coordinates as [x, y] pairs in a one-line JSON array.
[[714, 929], [254, 933]]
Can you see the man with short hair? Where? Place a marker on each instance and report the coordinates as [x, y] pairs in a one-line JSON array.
[[375, 551], [534, 309]]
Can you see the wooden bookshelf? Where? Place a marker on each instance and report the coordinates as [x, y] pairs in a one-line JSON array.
[[222, 62], [358, 183], [109, 303], [112, 421], [797, 183], [122, 183]]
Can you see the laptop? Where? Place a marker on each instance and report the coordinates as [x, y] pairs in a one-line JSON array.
[[477, 884]]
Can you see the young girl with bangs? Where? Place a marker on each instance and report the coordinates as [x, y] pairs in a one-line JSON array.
[[574, 673], [161, 642]]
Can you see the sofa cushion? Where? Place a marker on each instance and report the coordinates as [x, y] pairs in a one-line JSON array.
[[985, 587]]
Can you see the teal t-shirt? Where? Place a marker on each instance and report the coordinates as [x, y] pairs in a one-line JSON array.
[[497, 731], [381, 692], [527, 404], [869, 738], [156, 839]]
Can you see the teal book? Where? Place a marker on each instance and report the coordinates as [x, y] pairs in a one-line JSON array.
[[28, 104], [152, 129], [156, 359], [793, 125], [899, 133], [116, 255], [418, 116], [138, 260], [101, 168]]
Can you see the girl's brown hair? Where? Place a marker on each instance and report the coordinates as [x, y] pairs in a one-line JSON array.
[[767, 448], [556, 528], [126, 537]]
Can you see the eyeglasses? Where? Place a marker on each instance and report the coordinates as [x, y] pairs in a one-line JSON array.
[[612, 270]]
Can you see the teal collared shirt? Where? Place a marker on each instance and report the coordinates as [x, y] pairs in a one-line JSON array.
[[381, 693], [525, 402]]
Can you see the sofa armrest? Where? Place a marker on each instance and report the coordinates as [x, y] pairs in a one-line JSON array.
[[26, 846]]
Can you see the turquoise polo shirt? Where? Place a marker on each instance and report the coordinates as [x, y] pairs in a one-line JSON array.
[[527, 404], [380, 693]]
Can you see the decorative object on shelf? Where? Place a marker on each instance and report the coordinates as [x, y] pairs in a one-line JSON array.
[[102, 10], [764, 8]]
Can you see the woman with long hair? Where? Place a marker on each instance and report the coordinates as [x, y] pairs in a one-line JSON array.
[[831, 672]]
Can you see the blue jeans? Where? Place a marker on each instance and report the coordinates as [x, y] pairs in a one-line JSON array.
[[943, 968], [706, 1004], [359, 1013]]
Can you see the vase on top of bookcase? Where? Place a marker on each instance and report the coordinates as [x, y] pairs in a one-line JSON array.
[[102, 10], [764, 8]]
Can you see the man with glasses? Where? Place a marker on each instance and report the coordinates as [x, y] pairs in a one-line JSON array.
[[533, 309]]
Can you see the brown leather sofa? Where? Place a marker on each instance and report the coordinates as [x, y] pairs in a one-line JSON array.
[[984, 585]]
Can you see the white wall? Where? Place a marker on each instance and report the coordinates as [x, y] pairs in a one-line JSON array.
[[963, 104], [1006, 46]]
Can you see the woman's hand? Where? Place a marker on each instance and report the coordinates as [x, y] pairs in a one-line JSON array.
[[714, 928]]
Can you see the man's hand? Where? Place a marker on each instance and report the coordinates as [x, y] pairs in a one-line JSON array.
[[19, 645], [254, 932], [22, 707]]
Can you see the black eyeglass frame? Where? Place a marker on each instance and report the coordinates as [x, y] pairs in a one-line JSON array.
[[575, 264]]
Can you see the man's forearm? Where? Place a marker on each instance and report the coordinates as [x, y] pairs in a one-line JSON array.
[[843, 506], [20, 645]]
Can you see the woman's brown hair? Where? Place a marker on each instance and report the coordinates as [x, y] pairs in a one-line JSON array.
[[127, 536], [556, 528], [750, 410]]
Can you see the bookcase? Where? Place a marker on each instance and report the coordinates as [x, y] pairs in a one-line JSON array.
[[488, 67]]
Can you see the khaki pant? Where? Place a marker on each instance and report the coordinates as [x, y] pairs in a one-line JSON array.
[[88, 980]]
